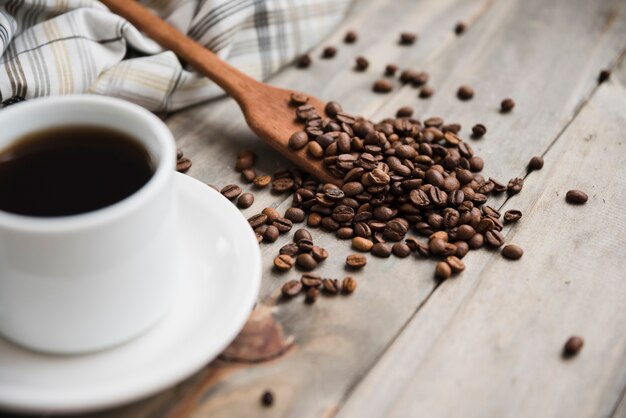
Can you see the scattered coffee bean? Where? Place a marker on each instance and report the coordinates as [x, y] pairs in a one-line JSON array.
[[271, 214], [426, 92], [245, 200], [248, 175], [576, 197], [283, 224], [407, 38], [331, 286], [515, 185], [400, 250], [361, 64], [298, 99], [512, 251], [443, 270], [572, 346], [507, 105], [298, 140], [348, 285], [356, 261], [494, 238], [332, 109], [302, 234], [381, 250], [257, 220], [271, 234], [311, 280], [512, 215], [455, 264], [291, 288], [479, 130], [319, 253], [312, 294], [329, 52], [305, 245], [362, 244], [390, 70], [459, 28], [351, 37], [267, 399], [295, 215], [262, 181], [405, 112], [283, 262], [289, 249], [306, 262], [465, 93], [183, 165], [535, 163], [303, 61], [604, 76], [382, 86]]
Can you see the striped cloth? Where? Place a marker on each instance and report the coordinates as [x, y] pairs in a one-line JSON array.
[[52, 47]]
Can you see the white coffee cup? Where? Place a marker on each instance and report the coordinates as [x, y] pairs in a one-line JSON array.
[[86, 282]]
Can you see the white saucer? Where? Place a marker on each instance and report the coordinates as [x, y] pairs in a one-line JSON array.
[[219, 283]]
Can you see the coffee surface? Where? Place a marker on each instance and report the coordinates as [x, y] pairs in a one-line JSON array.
[[71, 170]]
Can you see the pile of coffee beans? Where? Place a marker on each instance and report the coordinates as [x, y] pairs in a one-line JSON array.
[[302, 252], [313, 285]]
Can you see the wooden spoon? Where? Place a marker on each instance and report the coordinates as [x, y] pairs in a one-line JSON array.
[[265, 108]]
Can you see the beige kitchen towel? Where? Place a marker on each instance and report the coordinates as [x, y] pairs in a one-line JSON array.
[[52, 47]]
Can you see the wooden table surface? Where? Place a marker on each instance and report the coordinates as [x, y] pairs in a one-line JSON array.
[[487, 343]]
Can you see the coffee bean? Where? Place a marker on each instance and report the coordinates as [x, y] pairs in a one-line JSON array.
[[361, 244], [298, 140], [289, 249], [245, 159], [512, 215], [319, 253], [311, 280], [351, 37], [572, 346], [267, 399], [305, 245], [381, 250], [295, 215], [271, 213], [262, 181], [462, 248], [356, 261], [426, 92], [459, 28], [315, 150], [283, 184], [332, 109], [515, 185], [535, 163], [400, 250], [344, 233], [302, 234], [183, 165], [314, 220], [179, 154], [443, 270], [291, 288], [331, 286], [348, 285], [361, 64], [604, 76], [507, 105], [306, 262], [257, 220], [576, 197], [407, 38], [465, 93], [455, 264], [390, 70], [512, 251], [271, 234], [311, 295], [283, 262], [298, 99], [382, 86], [245, 200], [476, 241], [329, 52], [283, 224], [404, 112], [494, 238], [303, 61], [259, 238], [479, 130], [248, 175]]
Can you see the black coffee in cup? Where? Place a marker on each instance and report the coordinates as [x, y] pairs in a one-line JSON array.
[[69, 170]]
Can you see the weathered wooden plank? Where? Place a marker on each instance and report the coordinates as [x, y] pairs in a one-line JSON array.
[[491, 340]]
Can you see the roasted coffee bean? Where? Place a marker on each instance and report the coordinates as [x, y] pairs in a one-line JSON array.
[[476, 241], [257, 220], [305, 245], [361, 229], [465, 93], [344, 233], [179, 154], [426, 92], [245, 200], [298, 140], [459, 28], [331, 286], [267, 399], [248, 175], [350, 37], [361, 64], [512, 215], [302, 234], [311, 295], [400, 250], [576, 197], [455, 264], [479, 130], [535, 163], [332, 109], [259, 238], [407, 38], [362, 244], [329, 52], [395, 231], [319, 253], [271, 234], [303, 61], [515, 185], [298, 99], [462, 248], [572, 346], [494, 238], [507, 105], [283, 262], [262, 181], [356, 261], [231, 191], [291, 288], [315, 150], [382, 86], [390, 70], [311, 280], [295, 215], [283, 224], [261, 229], [283, 184], [604, 76], [271, 213], [183, 165], [512, 251], [245, 159], [405, 112], [381, 250], [306, 262], [348, 285], [314, 220], [443, 270], [289, 249]]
